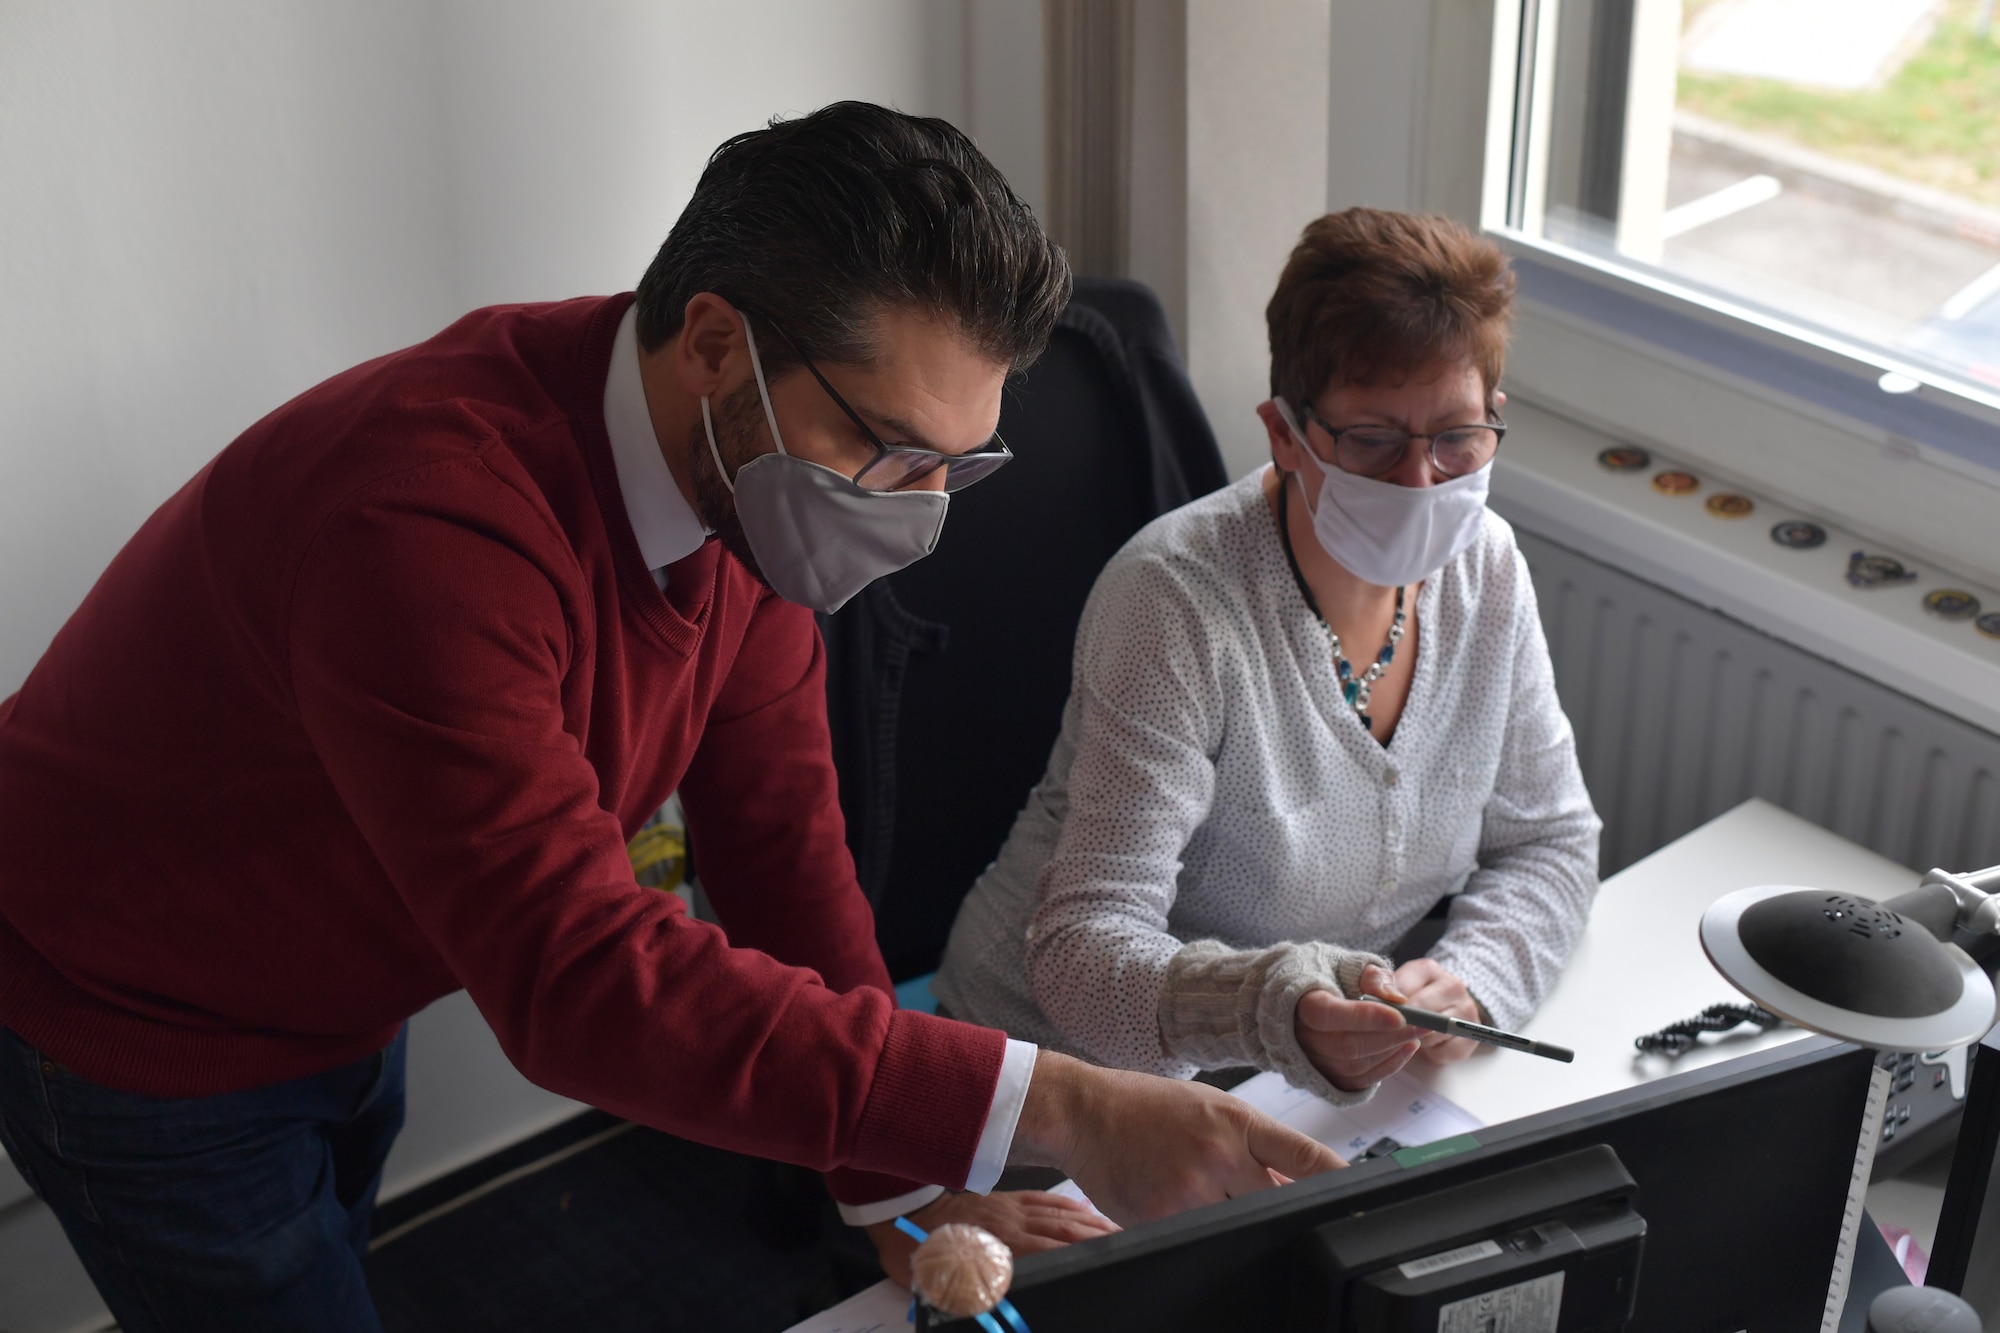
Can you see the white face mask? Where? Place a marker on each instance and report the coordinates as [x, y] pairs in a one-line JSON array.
[[817, 536], [1386, 534]]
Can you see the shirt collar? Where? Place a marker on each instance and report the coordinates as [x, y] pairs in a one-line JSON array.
[[662, 520]]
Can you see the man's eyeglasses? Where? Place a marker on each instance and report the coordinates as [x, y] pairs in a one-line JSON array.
[[896, 466], [1375, 451]]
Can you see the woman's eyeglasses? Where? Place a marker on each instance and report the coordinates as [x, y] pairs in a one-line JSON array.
[[1375, 451]]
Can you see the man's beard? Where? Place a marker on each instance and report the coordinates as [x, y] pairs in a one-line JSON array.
[[736, 421]]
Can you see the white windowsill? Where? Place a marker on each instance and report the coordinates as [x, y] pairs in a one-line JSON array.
[[1549, 481]]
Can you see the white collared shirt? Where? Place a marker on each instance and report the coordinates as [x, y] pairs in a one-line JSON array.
[[668, 529], [663, 521]]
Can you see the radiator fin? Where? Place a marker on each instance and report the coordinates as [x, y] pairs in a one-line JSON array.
[[1681, 713]]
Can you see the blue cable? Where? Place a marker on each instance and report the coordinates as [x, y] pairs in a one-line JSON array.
[[985, 1321]]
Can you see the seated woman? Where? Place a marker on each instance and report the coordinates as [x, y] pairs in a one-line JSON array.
[[1307, 710]]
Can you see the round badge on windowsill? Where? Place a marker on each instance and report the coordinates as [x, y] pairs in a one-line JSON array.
[[1988, 624], [1728, 504], [1877, 571], [1951, 604], [1624, 458], [1799, 535], [1676, 483]]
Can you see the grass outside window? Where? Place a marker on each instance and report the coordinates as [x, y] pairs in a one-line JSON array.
[[1935, 121]]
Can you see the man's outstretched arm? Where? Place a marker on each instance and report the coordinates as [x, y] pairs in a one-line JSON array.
[[1143, 1147], [1139, 1145]]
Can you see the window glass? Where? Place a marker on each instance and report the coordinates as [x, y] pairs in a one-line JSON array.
[[1835, 162]]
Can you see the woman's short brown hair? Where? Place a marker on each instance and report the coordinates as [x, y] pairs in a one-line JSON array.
[[1371, 297]]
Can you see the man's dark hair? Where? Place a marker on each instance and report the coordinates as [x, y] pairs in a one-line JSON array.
[[825, 221]]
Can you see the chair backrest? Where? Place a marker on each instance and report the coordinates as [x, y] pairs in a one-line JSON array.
[[946, 681]]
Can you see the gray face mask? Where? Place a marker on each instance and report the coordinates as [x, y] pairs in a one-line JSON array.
[[817, 536]]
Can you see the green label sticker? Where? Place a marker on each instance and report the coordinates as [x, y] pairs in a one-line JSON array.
[[1430, 1152]]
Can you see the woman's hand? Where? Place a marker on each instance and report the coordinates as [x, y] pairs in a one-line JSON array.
[[1430, 987], [1355, 1043], [1024, 1220]]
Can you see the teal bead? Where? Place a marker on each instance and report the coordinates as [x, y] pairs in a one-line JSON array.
[[1350, 691]]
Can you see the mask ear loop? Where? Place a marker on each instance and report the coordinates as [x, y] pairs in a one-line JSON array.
[[763, 396], [708, 428], [763, 392], [1292, 424]]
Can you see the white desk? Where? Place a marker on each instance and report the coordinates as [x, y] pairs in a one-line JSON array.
[[1640, 965]]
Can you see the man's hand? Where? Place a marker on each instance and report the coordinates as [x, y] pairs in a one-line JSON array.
[[1356, 1043], [1430, 987], [1144, 1147], [1025, 1220]]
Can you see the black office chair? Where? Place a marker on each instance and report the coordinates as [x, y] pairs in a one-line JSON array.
[[946, 681]]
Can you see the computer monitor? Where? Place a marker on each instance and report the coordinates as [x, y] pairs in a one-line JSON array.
[[1740, 1172], [1966, 1259]]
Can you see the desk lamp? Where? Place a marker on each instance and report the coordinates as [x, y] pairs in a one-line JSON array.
[[1881, 975]]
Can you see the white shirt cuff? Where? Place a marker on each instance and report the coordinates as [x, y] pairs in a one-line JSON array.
[[989, 1159], [1010, 1094], [868, 1214]]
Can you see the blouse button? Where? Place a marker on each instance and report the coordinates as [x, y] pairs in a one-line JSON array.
[[1390, 777]]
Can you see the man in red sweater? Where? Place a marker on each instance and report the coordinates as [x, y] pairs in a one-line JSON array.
[[378, 697]]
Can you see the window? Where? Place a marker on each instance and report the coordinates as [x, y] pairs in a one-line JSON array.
[[1836, 162], [1767, 233]]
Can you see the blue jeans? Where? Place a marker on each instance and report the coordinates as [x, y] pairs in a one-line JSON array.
[[248, 1210]]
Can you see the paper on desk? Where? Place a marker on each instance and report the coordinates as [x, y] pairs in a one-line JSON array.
[[1402, 1109]]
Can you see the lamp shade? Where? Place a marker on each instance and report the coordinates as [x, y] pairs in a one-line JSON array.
[[1880, 975]]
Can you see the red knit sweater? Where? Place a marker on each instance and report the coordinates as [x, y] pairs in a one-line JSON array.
[[367, 712]]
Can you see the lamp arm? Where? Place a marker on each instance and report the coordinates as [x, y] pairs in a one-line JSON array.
[[1978, 909]]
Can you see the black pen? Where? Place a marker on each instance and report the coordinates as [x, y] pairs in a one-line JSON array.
[[1458, 1027]]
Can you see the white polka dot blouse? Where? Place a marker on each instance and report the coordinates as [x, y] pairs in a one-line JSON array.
[[1209, 783]]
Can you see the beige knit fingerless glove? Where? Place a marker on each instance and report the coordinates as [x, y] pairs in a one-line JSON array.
[[1224, 1006]]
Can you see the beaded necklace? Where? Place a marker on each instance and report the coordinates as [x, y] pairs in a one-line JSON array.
[[1355, 689]]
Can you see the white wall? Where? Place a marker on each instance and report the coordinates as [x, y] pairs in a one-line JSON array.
[[1157, 230], [1295, 108], [1004, 90], [209, 206], [1375, 99], [204, 211], [1256, 174]]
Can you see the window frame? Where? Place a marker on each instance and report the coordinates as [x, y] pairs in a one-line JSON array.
[[1642, 356]]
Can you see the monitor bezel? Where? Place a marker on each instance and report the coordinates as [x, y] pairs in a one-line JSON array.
[[1226, 1231]]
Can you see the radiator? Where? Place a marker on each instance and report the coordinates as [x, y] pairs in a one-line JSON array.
[[1681, 713]]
